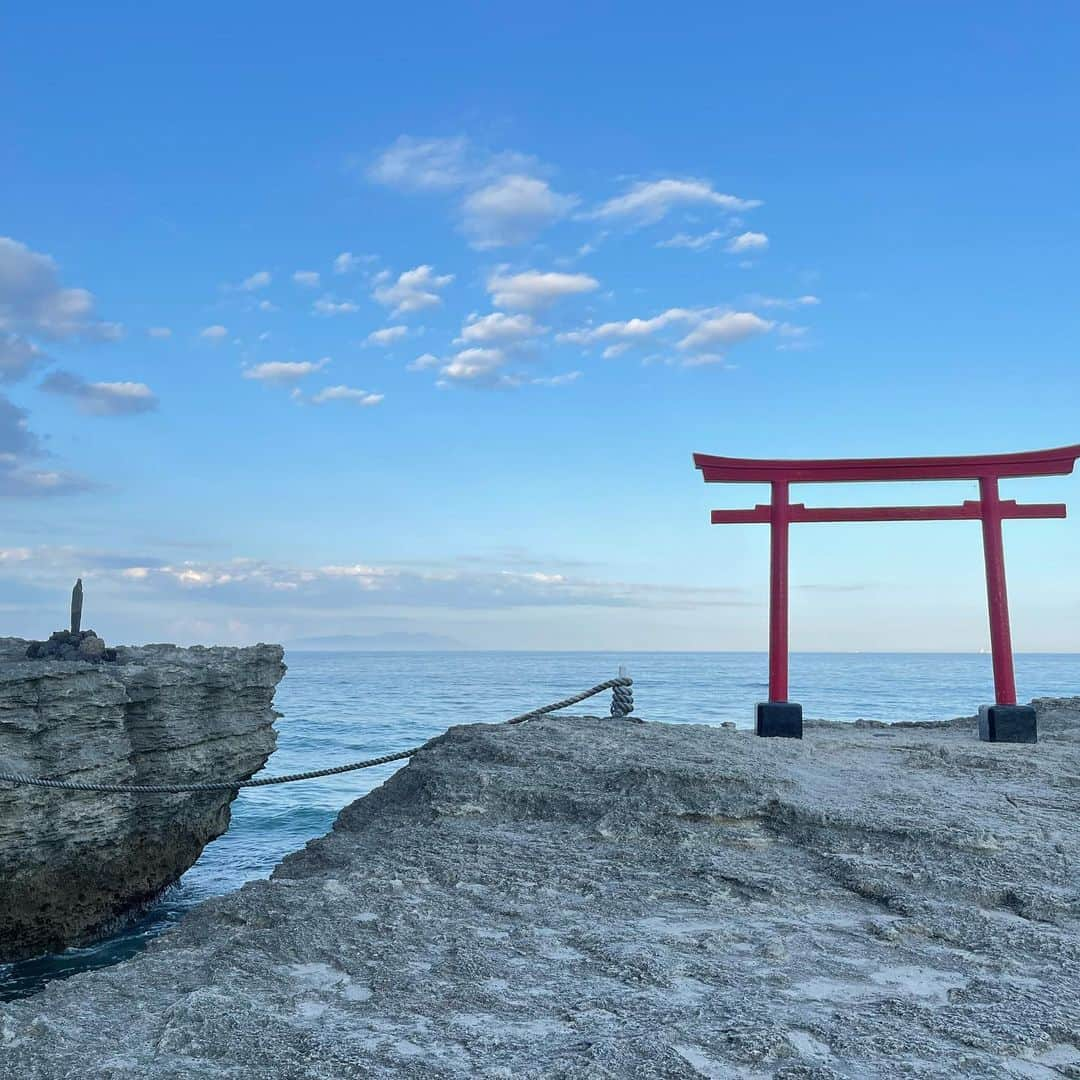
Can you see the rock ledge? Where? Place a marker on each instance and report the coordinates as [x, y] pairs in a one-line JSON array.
[[587, 898], [71, 862]]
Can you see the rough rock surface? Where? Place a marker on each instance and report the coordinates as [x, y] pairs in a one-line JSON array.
[[71, 863], [591, 898], [71, 645]]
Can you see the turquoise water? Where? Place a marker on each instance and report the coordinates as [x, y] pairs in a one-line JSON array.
[[342, 706]]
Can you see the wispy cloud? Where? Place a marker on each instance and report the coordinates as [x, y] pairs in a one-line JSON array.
[[704, 331], [414, 163], [346, 262], [536, 289], [557, 380], [807, 300], [629, 330], [348, 394], [474, 365], [387, 335], [647, 202], [102, 398], [504, 200], [308, 279], [490, 582], [259, 280], [512, 210], [747, 242], [285, 371], [327, 305], [214, 333], [725, 329], [412, 291], [698, 242], [498, 328], [424, 362]]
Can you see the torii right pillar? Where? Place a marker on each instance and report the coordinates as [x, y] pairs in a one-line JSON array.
[[1003, 721]]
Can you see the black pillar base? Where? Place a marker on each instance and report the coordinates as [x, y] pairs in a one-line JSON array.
[[1007, 723], [779, 720]]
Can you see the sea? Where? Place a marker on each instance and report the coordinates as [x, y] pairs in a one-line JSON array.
[[344, 706]]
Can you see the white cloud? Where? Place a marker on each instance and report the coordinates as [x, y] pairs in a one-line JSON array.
[[650, 201], [443, 164], [214, 333], [795, 337], [425, 362], [790, 330], [102, 398], [612, 351], [309, 279], [413, 290], [747, 241], [419, 164], [387, 335], [346, 262], [474, 364], [327, 305], [159, 332], [33, 303], [705, 359], [504, 201], [512, 210], [259, 280], [535, 289], [782, 302], [557, 380], [498, 327], [725, 329], [695, 243], [346, 393], [265, 305], [630, 330], [285, 371]]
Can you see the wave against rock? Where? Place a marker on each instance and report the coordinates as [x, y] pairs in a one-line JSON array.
[[582, 898], [72, 862]]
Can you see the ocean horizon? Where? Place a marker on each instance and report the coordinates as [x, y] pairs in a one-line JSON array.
[[341, 706]]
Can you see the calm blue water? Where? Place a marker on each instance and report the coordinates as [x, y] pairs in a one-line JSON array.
[[342, 706]]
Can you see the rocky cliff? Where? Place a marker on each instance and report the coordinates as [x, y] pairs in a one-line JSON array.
[[71, 863], [586, 898]]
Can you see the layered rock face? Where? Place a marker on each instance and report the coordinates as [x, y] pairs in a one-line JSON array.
[[72, 862], [585, 898]]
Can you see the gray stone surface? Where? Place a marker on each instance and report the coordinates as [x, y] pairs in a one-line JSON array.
[[591, 898], [71, 862]]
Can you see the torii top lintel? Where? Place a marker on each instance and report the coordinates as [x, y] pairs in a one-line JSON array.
[[1056, 462]]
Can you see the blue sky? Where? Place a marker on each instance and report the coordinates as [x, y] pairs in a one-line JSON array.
[[346, 320]]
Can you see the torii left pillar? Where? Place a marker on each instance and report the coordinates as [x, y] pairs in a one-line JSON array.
[[778, 716]]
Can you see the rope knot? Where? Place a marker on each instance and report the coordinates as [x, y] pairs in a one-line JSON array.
[[622, 699]]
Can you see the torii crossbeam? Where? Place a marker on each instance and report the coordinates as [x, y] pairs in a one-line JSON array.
[[1003, 721]]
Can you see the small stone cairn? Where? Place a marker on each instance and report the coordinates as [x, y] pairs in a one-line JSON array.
[[73, 644]]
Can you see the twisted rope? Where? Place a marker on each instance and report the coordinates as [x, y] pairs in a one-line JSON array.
[[231, 785], [622, 701], [622, 680]]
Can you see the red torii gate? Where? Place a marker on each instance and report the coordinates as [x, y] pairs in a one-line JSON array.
[[1003, 721]]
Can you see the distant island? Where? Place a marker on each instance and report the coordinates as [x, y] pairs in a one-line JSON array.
[[393, 641]]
